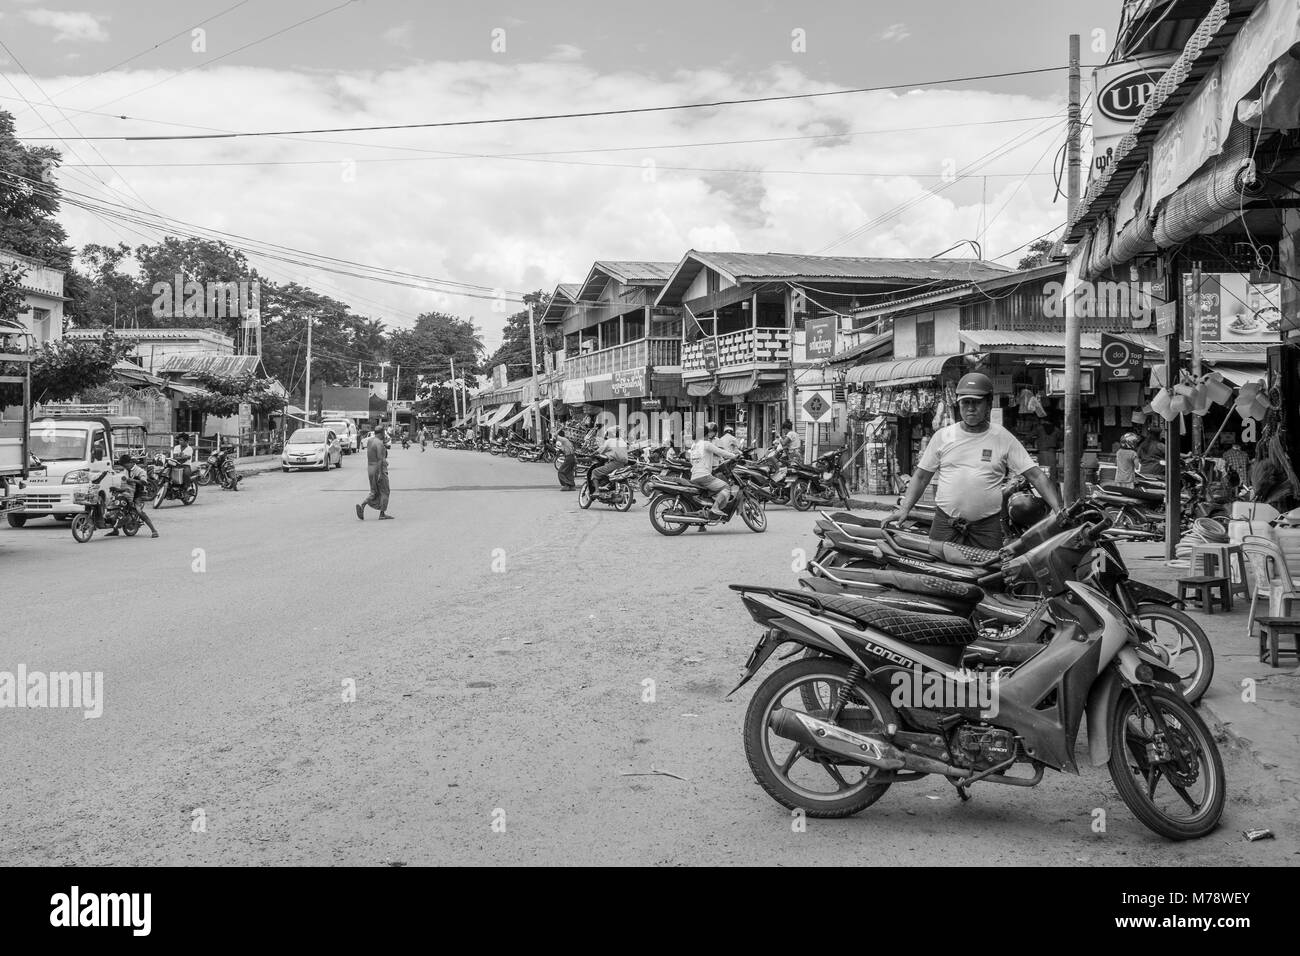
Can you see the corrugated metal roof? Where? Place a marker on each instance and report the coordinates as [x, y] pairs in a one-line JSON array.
[[964, 290], [569, 289], [744, 267], [862, 348], [984, 339], [637, 270], [211, 364]]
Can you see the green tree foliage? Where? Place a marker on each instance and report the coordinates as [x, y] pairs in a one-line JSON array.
[[427, 350], [1036, 254], [515, 352], [63, 368], [191, 260], [29, 200], [227, 392]]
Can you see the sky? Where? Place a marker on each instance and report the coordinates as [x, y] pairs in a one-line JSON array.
[[512, 207]]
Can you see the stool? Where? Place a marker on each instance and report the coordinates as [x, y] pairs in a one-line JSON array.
[[1222, 555], [1205, 585], [1270, 629]]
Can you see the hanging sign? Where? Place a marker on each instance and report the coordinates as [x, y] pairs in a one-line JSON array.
[[1121, 361]]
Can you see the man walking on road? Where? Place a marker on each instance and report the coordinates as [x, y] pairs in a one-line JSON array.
[[972, 458], [567, 461], [377, 470]]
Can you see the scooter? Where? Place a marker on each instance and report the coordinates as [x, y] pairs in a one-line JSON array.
[[172, 485], [107, 505], [678, 503], [820, 483]]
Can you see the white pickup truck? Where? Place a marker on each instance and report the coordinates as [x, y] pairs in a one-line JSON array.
[[67, 450]]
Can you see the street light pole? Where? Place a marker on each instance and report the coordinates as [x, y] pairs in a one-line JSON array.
[[306, 389]]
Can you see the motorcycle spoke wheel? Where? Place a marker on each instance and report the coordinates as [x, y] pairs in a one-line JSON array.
[[584, 496], [83, 527], [130, 524], [797, 775], [189, 494], [754, 515], [1176, 748], [1191, 655], [623, 497]]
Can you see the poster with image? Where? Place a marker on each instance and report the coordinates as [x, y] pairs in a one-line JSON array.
[[1231, 308]]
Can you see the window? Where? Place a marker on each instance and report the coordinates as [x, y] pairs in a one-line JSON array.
[[925, 337]]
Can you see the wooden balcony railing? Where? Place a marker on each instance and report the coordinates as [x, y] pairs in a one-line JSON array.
[[761, 346], [657, 352]]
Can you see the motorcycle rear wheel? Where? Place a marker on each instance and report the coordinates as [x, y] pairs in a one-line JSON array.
[[160, 497], [83, 527], [1137, 779], [785, 687], [661, 505], [648, 484], [623, 496], [130, 524], [799, 496], [189, 493]]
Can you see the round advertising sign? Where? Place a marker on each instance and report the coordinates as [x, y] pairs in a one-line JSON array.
[[1116, 355]]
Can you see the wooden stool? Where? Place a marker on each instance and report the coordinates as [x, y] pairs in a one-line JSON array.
[[1270, 629], [1222, 555], [1205, 585]]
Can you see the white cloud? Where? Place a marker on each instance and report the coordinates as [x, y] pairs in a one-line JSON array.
[[70, 25], [566, 53], [399, 35], [521, 225], [896, 32]]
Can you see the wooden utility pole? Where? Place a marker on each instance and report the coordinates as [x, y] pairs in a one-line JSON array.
[[306, 389], [1194, 317], [532, 345], [1073, 416]]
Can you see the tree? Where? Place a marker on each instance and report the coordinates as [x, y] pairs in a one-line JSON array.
[[225, 393], [285, 311], [515, 352], [104, 295], [1036, 254], [64, 367], [428, 349], [11, 297], [29, 200], [190, 260]]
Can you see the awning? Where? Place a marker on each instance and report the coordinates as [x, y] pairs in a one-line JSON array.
[[737, 385], [1242, 374], [900, 371], [526, 410], [862, 348], [700, 389], [180, 389], [501, 412], [667, 385]]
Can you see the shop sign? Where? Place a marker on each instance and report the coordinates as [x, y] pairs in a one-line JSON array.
[[1120, 91], [820, 337], [402, 406], [629, 383], [768, 393], [1121, 361], [1231, 308], [709, 350], [1056, 381], [651, 404], [1003, 384], [1166, 319], [574, 393]]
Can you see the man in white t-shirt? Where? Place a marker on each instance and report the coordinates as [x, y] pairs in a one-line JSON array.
[[972, 458], [705, 456]]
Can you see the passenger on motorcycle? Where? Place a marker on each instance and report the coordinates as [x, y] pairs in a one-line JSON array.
[[705, 456], [615, 449], [1126, 459], [134, 487], [729, 442], [183, 454]]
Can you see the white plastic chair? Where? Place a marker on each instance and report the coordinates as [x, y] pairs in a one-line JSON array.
[[1271, 578]]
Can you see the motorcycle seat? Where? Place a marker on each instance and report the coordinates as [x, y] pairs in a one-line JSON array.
[[965, 555], [849, 518], [926, 584], [852, 533], [906, 600], [1138, 494], [911, 627]]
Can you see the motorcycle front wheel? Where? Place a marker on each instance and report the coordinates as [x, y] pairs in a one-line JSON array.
[[754, 515], [1191, 656], [1164, 763], [584, 496], [189, 493], [799, 496], [130, 524], [663, 505], [207, 476], [83, 527], [161, 496], [800, 777]]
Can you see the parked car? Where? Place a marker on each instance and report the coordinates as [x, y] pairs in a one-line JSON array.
[[312, 448], [347, 433]]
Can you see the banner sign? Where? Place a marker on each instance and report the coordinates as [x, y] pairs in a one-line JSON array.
[[710, 352], [820, 337], [574, 393], [1230, 308], [1120, 90], [629, 383], [1121, 361]]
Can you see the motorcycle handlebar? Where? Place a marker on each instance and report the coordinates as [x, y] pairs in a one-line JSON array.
[[991, 580]]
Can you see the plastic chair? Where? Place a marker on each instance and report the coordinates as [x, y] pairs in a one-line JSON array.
[[1272, 578]]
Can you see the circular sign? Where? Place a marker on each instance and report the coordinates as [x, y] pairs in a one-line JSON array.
[[1123, 98], [1116, 354]]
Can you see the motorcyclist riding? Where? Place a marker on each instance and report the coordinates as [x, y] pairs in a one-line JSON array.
[[183, 454], [705, 456], [614, 448], [134, 488]]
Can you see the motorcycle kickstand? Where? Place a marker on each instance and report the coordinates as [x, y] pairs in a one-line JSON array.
[[962, 791]]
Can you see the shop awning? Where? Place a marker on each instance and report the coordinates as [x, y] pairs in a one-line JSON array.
[[1242, 374], [900, 371], [526, 410], [180, 389], [871, 344], [501, 412], [737, 385], [700, 389]]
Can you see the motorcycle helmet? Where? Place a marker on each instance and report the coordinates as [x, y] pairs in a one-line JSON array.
[[975, 385], [1025, 510], [728, 430], [124, 459], [1130, 440], [710, 429]]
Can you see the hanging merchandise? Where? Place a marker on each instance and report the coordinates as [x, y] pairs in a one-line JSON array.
[[1162, 405], [1024, 401], [1140, 415], [1218, 391]]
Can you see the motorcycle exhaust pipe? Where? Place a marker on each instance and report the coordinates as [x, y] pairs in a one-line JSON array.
[[685, 519], [820, 735]]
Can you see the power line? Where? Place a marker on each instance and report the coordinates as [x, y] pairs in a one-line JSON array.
[[546, 117]]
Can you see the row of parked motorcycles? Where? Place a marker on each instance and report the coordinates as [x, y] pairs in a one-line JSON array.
[[1051, 627], [109, 504]]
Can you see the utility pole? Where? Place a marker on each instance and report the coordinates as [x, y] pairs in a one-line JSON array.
[[1173, 433], [1194, 317], [306, 389], [397, 390], [1073, 416], [532, 344], [455, 409]]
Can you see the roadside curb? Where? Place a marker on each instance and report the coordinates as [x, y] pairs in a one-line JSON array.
[[869, 505]]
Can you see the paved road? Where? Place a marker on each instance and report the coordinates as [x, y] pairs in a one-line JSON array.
[[498, 638]]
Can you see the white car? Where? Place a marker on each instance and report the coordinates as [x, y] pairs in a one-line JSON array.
[[347, 433], [312, 448]]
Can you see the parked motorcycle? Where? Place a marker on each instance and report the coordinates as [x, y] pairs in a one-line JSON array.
[[820, 483], [171, 484], [220, 469], [829, 735], [617, 492], [107, 505], [678, 504], [765, 478]]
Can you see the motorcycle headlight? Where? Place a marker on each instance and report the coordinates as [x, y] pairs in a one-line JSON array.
[[78, 477]]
